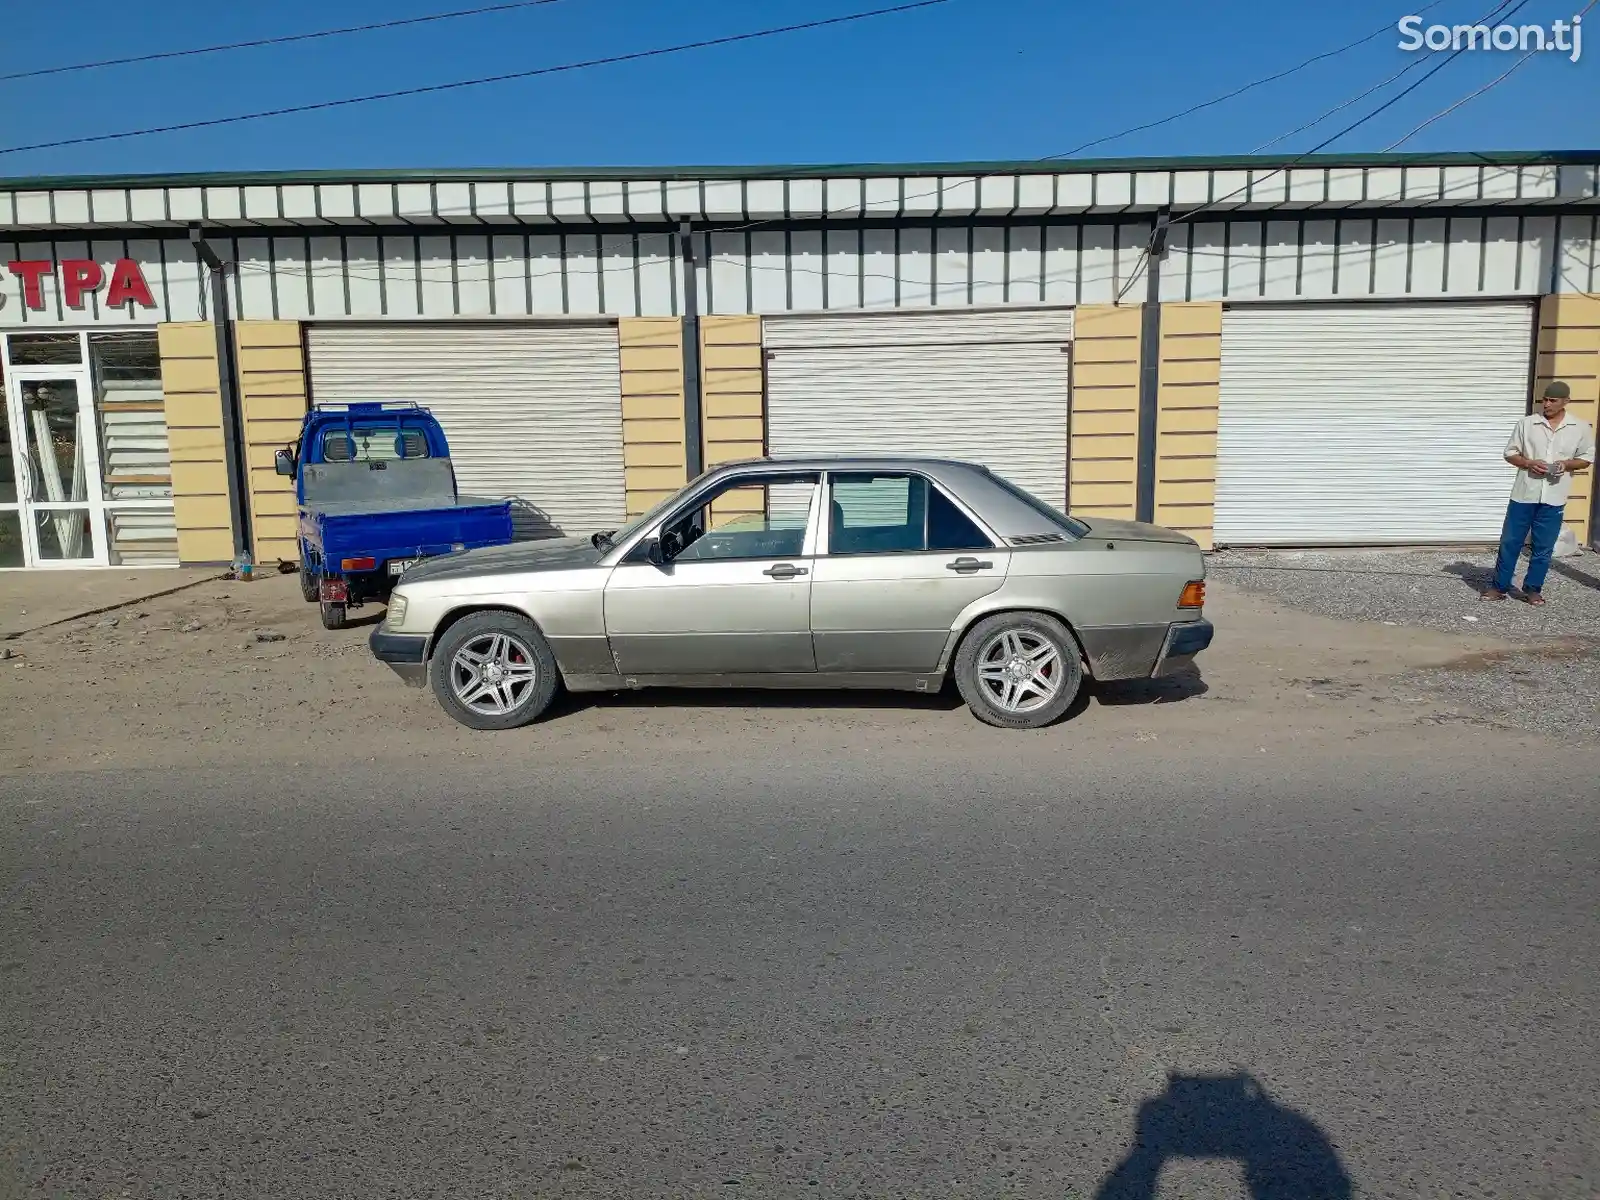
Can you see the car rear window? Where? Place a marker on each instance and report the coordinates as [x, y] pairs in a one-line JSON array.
[[382, 443]]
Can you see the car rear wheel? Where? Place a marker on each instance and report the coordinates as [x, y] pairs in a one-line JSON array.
[[494, 670], [1019, 670]]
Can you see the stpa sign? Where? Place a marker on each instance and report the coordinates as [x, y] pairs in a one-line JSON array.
[[124, 284]]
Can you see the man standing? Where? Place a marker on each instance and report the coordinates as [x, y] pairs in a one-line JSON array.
[[1547, 448]]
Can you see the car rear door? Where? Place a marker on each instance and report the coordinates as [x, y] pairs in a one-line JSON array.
[[898, 562]]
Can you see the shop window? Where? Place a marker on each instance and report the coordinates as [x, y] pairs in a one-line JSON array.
[[10, 538], [45, 349], [135, 448]]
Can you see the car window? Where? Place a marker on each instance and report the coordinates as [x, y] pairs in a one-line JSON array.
[[748, 518], [895, 513], [384, 443]]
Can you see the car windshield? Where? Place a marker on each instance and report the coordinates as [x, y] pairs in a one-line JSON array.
[[617, 536], [1071, 524]]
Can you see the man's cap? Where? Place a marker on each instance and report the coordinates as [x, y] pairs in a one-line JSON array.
[[1557, 391]]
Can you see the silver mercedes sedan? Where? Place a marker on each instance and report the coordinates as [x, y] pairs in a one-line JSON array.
[[892, 572]]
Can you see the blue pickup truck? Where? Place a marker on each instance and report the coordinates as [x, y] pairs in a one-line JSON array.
[[376, 491]]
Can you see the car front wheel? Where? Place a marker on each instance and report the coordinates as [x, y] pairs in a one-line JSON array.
[[494, 670], [1019, 670]]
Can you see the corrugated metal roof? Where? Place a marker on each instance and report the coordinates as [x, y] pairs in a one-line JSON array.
[[1036, 166]]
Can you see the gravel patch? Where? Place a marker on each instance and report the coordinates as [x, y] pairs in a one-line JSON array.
[[1553, 688], [1551, 685], [1433, 589]]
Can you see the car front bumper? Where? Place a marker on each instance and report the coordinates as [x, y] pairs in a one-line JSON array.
[[403, 653], [1183, 644]]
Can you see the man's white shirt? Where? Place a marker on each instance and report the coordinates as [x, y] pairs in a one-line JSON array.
[[1534, 438]]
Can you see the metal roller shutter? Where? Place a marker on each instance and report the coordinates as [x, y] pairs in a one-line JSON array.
[[1368, 424], [532, 412], [987, 386]]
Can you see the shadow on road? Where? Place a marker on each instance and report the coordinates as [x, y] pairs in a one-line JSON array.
[[1582, 578], [1284, 1155], [1169, 690], [1476, 576]]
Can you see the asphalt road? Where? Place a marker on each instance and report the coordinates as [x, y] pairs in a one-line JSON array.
[[888, 972]]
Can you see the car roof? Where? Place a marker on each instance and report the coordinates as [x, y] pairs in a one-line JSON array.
[[859, 462]]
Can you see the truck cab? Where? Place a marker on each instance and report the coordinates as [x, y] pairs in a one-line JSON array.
[[376, 491]]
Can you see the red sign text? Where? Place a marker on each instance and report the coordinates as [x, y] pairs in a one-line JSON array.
[[79, 278]]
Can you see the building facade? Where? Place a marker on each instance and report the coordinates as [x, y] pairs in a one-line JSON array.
[[1259, 352]]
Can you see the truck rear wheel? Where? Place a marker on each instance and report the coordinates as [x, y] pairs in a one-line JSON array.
[[308, 583], [333, 615], [494, 670]]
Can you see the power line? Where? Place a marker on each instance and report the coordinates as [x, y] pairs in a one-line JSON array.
[[1112, 137], [1471, 96], [1239, 91], [1356, 99], [278, 41], [609, 60], [1495, 14]]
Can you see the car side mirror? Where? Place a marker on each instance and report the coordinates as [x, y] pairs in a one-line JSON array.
[[283, 461], [668, 547]]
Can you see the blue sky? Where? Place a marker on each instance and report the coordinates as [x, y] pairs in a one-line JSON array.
[[973, 79]]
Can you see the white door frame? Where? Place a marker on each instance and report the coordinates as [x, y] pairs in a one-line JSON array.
[[30, 507]]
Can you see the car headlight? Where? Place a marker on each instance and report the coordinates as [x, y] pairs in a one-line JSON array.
[[397, 611]]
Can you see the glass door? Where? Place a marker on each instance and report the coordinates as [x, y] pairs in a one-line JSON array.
[[56, 463], [12, 553]]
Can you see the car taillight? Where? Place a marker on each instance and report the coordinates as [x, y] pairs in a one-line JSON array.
[[359, 564], [1194, 594]]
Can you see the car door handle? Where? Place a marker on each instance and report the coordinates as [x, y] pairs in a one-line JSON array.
[[786, 571], [968, 565]]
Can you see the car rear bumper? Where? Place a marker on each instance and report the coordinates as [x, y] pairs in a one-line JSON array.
[[403, 653], [1184, 642]]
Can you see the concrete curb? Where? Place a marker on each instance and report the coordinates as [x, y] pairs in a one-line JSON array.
[[95, 612]]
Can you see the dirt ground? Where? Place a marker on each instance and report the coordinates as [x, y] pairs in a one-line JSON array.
[[243, 673]]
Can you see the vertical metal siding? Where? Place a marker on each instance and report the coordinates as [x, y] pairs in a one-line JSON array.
[[359, 273], [531, 411], [1368, 424]]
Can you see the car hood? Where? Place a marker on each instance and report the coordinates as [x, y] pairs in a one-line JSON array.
[[555, 554], [1135, 531]]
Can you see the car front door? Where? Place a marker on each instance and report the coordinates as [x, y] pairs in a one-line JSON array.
[[730, 591], [899, 563]]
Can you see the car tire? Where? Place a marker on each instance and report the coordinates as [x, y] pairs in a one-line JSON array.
[[990, 663], [479, 701], [333, 615]]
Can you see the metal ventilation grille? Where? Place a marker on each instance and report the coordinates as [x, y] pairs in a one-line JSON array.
[[1037, 539]]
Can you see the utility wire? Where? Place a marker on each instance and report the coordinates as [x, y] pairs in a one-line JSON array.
[[481, 81], [1112, 137], [1495, 14], [1471, 96], [1356, 99], [1239, 91], [283, 40]]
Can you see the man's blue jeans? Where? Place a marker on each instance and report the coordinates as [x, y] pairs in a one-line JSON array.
[[1545, 522]]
